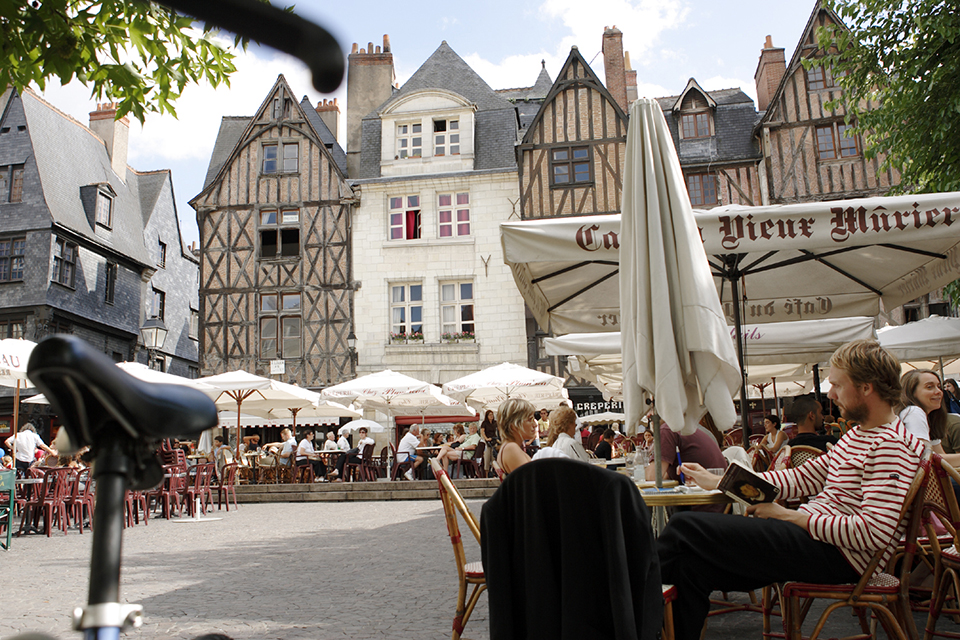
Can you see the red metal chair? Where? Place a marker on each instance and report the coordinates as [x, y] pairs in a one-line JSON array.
[[80, 501], [198, 491], [473, 467], [399, 467], [49, 501], [362, 470], [226, 486]]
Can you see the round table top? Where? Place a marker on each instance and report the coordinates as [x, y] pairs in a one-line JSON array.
[[653, 499]]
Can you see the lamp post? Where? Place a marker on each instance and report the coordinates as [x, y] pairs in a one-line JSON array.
[[153, 333], [352, 346]]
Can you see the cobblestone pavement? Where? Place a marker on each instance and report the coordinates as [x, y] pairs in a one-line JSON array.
[[289, 571]]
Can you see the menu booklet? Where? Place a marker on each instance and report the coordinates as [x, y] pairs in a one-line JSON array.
[[745, 486]]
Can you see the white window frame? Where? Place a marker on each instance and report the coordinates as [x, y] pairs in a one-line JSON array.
[[104, 210], [457, 305], [453, 214], [64, 262], [285, 157], [446, 137], [406, 302], [404, 217], [409, 140]]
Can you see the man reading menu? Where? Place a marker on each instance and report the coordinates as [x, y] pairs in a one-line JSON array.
[[860, 486]]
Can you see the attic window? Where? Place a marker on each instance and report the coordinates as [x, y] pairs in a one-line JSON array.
[[273, 163], [11, 183], [446, 137], [104, 215], [570, 165], [820, 78], [696, 117]]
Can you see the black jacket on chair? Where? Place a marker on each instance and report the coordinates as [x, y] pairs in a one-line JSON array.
[[568, 552]]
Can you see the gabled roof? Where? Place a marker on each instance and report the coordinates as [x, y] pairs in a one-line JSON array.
[[444, 69], [234, 130], [586, 76], [798, 56], [692, 85], [537, 92], [62, 175], [326, 136]]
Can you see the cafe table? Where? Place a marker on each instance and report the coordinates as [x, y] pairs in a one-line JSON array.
[[675, 496]]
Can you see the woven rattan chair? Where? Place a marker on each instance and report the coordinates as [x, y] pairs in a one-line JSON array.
[[468, 573], [944, 550], [882, 593], [802, 453]]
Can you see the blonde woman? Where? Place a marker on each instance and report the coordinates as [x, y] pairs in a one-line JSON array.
[[516, 423], [563, 424]]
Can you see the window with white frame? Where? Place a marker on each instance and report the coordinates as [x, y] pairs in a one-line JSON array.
[[281, 157], [194, 331], [280, 326], [11, 259], [446, 137], [279, 233], [453, 213], [409, 140], [404, 217], [64, 262], [406, 310], [456, 310]]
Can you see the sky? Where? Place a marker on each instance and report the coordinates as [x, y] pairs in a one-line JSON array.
[[718, 42]]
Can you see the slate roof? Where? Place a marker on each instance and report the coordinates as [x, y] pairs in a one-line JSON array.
[[63, 174], [231, 129], [734, 119], [326, 136], [495, 132]]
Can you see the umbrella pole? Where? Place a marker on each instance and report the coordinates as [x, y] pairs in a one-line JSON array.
[[941, 374], [776, 401], [816, 382], [239, 428], [16, 419], [738, 329], [658, 466]]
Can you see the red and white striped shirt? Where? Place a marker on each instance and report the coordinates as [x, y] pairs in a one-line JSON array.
[[860, 486]]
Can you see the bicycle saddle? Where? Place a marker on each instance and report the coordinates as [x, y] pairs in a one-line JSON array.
[[87, 390]]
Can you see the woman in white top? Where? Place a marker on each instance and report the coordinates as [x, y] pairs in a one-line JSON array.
[[563, 423], [922, 410], [774, 438]]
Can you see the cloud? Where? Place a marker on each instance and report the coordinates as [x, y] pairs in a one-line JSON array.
[[721, 82], [515, 71]]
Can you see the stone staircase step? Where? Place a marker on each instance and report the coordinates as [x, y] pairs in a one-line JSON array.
[[471, 489]]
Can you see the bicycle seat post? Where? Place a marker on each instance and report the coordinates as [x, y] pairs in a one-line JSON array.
[[104, 616]]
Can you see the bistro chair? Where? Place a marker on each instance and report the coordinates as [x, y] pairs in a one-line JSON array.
[[266, 467], [354, 471], [474, 466], [8, 504], [399, 467], [226, 486], [885, 595], [381, 465], [941, 502], [802, 453], [169, 494], [303, 471], [49, 501], [80, 500], [198, 490], [468, 573], [136, 504]]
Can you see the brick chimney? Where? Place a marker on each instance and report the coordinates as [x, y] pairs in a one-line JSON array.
[[770, 70], [613, 65], [114, 133], [631, 76], [370, 78], [329, 112]]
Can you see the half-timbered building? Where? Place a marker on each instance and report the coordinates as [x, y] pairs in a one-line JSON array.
[[276, 292], [809, 153]]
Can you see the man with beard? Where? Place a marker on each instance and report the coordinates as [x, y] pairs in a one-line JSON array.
[[807, 413], [859, 486]]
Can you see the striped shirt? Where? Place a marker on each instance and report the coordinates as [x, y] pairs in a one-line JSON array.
[[860, 486]]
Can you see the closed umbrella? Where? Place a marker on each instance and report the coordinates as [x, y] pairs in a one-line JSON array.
[[675, 341]]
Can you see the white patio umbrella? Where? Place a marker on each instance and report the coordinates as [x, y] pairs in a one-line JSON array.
[[602, 418], [321, 409], [247, 393], [394, 394], [675, 341], [490, 387], [14, 353], [370, 425]]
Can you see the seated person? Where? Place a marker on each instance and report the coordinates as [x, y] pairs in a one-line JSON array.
[[700, 447], [605, 446], [859, 485], [250, 444], [353, 455], [343, 443], [464, 451], [407, 450], [516, 424], [563, 425], [808, 414], [330, 444], [306, 455], [287, 446]]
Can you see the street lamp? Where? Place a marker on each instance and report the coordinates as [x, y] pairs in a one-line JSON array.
[[153, 333], [352, 346]]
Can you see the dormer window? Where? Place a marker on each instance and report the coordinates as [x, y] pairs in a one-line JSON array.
[[409, 140], [104, 212], [696, 117], [446, 137]]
